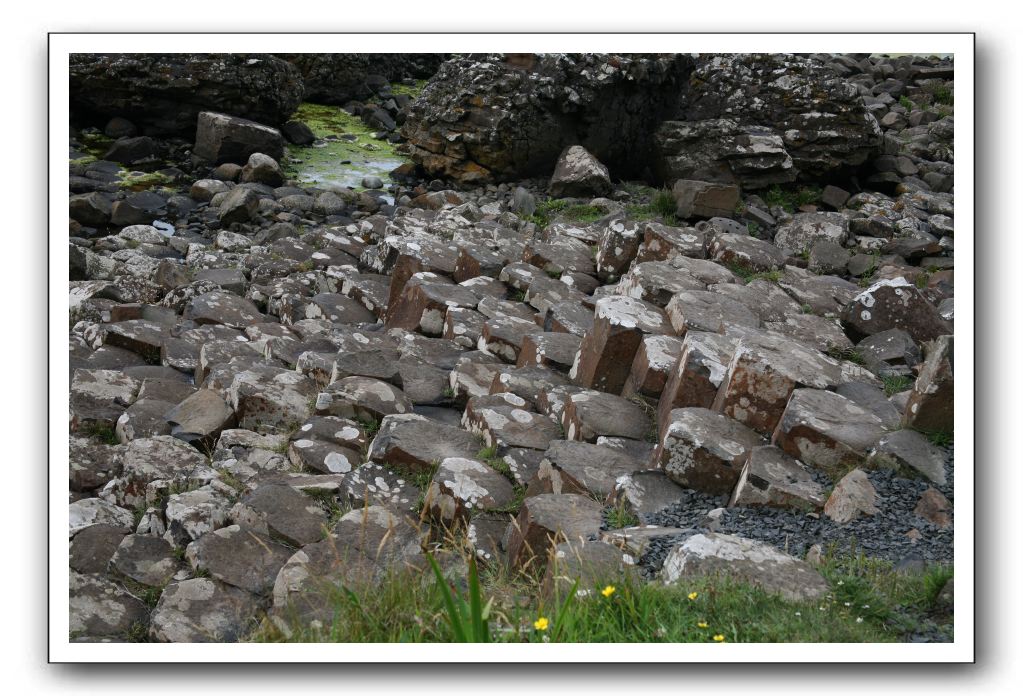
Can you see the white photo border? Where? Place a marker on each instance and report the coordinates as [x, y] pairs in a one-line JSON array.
[[960, 44]]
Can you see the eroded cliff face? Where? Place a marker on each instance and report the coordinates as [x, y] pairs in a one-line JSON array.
[[758, 119], [163, 93], [338, 78], [500, 117]]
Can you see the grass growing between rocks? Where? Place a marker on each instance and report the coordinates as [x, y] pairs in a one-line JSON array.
[[868, 601], [662, 204], [748, 276], [790, 199], [546, 211]]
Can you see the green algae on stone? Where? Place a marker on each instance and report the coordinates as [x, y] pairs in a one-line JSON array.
[[340, 160]]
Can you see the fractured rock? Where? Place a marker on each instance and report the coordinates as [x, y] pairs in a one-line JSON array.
[[712, 554]]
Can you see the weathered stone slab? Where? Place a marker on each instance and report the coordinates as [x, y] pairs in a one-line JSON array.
[[546, 519], [772, 478], [417, 442], [646, 492], [853, 496], [701, 310], [100, 608], [931, 404], [704, 450], [827, 431], [461, 487], [145, 559], [711, 554], [590, 414], [652, 366], [608, 349], [202, 610], [894, 304], [239, 557]]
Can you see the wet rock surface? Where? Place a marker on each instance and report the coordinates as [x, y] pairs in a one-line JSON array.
[[276, 384]]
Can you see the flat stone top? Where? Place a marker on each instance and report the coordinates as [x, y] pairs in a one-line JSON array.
[[630, 313]]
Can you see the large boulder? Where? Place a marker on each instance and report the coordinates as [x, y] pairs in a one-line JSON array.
[[338, 78], [766, 118], [222, 138], [505, 116], [579, 174], [163, 93]]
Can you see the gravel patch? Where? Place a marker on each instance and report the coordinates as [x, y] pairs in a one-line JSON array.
[[880, 536]]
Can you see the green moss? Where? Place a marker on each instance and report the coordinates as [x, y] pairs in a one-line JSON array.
[[144, 181], [95, 144], [365, 154], [411, 90]]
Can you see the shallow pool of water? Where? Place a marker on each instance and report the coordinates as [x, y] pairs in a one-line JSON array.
[[344, 153]]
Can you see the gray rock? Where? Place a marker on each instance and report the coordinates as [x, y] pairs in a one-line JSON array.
[[704, 450], [913, 451], [239, 557], [772, 478], [145, 559], [200, 418], [91, 511], [240, 205], [461, 487], [827, 431], [805, 229], [99, 608], [894, 303], [262, 169], [708, 555], [202, 610], [282, 513], [546, 519], [221, 138], [579, 174], [704, 199], [930, 406], [853, 496]]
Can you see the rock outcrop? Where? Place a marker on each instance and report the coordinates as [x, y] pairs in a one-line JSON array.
[[761, 119], [338, 78], [502, 116], [163, 93]]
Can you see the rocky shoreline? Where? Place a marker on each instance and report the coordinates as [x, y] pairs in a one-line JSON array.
[[668, 311]]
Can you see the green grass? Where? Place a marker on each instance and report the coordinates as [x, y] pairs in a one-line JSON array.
[[942, 94], [789, 198], [620, 516], [922, 280], [848, 354], [941, 438], [748, 276], [906, 103], [662, 205], [893, 384], [516, 295], [868, 601], [100, 432], [369, 426], [547, 210]]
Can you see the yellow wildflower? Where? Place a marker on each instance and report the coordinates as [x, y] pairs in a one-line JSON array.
[[540, 624], [608, 591], [718, 638], [693, 595], [702, 624]]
